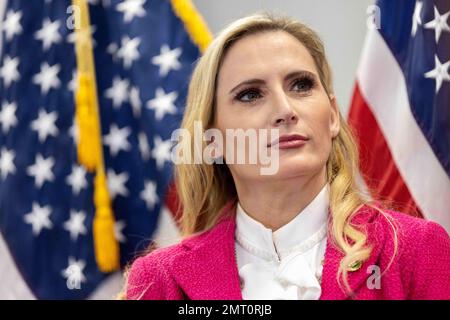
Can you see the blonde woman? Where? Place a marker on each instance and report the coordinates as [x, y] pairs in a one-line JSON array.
[[304, 231]]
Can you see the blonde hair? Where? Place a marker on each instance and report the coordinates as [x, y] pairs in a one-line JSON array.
[[203, 189]]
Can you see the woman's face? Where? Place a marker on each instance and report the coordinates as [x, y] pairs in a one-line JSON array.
[[269, 81]]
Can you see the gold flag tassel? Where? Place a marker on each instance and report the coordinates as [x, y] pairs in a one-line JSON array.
[[106, 247], [193, 23], [90, 152], [86, 120]]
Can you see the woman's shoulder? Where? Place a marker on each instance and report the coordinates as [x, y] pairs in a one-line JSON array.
[[156, 257], [165, 255], [151, 272], [153, 267], [413, 230], [408, 228], [411, 239], [422, 255], [425, 240], [413, 234], [147, 273]]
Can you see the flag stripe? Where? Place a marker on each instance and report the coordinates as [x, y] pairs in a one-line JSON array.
[[382, 86], [13, 285], [415, 55], [385, 180]]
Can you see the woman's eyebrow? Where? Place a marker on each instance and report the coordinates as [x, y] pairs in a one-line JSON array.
[[289, 76], [247, 82], [299, 73]]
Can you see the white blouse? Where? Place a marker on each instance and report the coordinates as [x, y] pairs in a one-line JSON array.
[[285, 264]]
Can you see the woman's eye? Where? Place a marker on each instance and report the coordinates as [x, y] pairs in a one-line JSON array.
[[303, 85], [248, 96]]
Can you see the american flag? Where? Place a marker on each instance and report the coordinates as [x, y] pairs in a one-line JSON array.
[[401, 107], [144, 56]]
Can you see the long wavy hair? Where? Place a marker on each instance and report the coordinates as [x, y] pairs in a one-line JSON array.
[[203, 189]]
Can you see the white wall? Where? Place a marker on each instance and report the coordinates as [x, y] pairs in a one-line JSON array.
[[341, 24]]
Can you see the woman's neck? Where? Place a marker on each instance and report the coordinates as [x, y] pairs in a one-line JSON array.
[[275, 203]]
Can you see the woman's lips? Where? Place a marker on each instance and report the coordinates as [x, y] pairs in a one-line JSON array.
[[290, 144], [289, 141]]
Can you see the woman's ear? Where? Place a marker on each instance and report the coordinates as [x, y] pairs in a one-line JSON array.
[[335, 123]]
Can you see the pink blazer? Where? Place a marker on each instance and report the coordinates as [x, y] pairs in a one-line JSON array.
[[203, 267]]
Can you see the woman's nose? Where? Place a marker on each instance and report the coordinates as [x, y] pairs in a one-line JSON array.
[[284, 112]]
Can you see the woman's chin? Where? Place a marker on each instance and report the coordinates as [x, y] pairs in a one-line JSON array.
[[283, 168], [300, 165]]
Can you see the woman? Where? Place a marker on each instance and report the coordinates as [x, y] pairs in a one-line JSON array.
[[304, 232]]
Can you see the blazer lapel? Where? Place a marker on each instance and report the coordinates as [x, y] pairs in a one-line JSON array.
[[207, 269]]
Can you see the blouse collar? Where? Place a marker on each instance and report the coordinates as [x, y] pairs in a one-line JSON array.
[[300, 234]]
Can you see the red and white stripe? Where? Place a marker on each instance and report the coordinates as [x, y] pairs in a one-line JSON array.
[[398, 160]]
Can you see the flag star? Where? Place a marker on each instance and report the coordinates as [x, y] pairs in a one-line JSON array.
[[135, 101], [439, 23], [131, 9], [74, 273], [41, 170], [7, 162], [117, 139], [163, 103], [116, 183], [44, 125], [144, 146], [49, 33], [162, 151], [8, 117], [118, 231], [75, 224], [47, 78], [118, 93], [74, 132], [39, 218], [416, 19], [77, 179], [167, 59], [11, 24], [439, 73], [129, 51], [149, 194], [8, 71]]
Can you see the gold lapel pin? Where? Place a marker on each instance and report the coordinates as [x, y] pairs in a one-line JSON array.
[[354, 266]]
